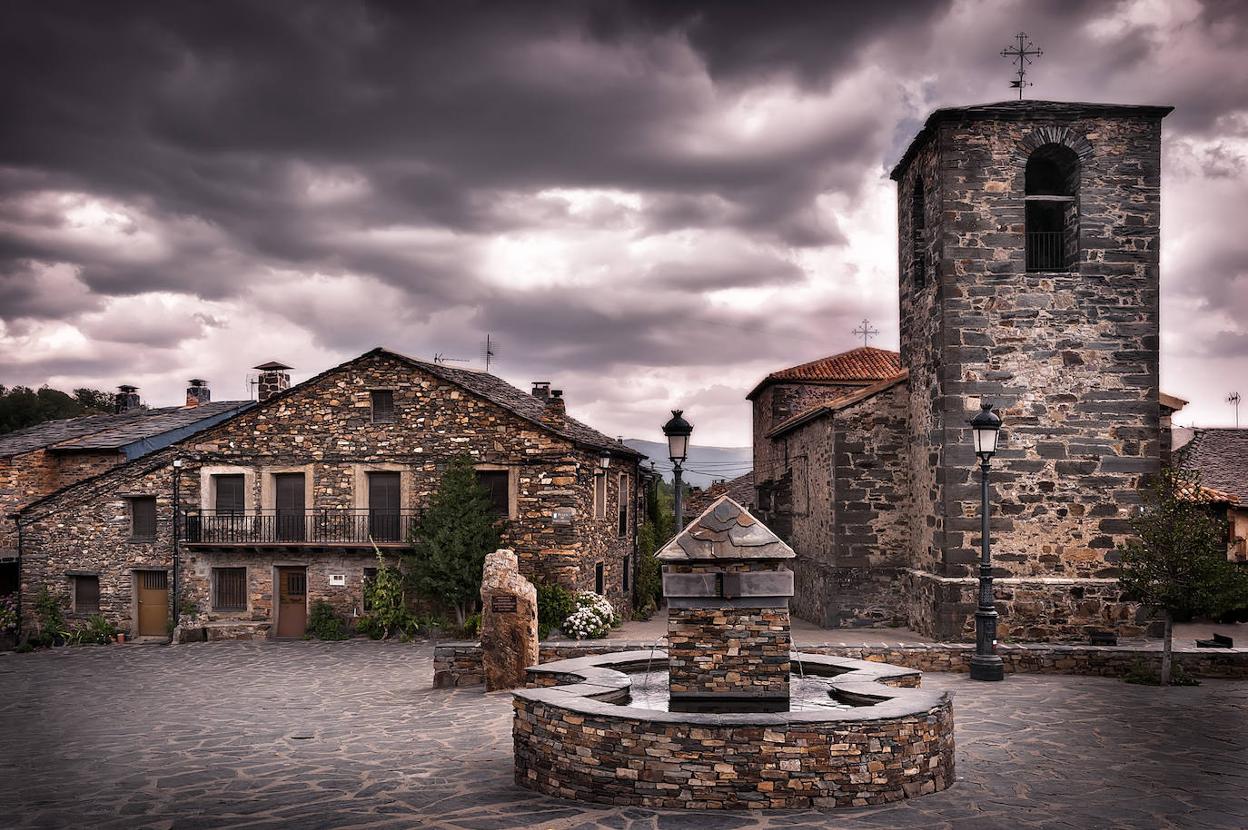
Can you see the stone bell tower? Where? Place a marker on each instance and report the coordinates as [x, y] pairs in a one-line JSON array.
[[1028, 266]]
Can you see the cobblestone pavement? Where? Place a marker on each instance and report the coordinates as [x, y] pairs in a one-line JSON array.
[[266, 735]]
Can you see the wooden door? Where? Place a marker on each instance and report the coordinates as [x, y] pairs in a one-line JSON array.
[[153, 596], [383, 507], [292, 602], [290, 507]]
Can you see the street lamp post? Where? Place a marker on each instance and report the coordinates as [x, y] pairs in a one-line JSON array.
[[677, 431], [986, 664]]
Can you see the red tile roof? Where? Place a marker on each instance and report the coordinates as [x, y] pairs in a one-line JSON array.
[[863, 365]]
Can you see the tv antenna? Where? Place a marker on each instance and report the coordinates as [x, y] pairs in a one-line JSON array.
[[441, 359], [250, 382], [1233, 399], [1022, 55], [489, 352]]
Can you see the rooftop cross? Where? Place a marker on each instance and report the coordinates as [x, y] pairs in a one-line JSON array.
[[865, 331], [1021, 55]]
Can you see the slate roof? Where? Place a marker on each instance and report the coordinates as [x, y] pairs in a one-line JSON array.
[[739, 489], [1221, 458], [1022, 110], [863, 365], [517, 401], [725, 531], [107, 432]]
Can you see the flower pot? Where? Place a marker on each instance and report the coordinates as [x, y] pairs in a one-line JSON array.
[[121, 638]]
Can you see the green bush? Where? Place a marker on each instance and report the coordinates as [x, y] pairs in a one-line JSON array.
[[472, 626], [555, 604], [97, 631], [325, 624], [385, 598], [50, 628], [8, 614]]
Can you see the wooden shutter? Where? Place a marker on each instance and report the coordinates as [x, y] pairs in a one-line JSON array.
[[230, 494], [383, 405], [86, 594], [383, 506], [498, 484], [289, 493], [143, 517]]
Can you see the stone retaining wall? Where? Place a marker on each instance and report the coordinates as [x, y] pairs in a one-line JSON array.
[[459, 663]]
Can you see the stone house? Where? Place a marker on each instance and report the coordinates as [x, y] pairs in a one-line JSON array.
[[740, 489], [279, 507], [1220, 457], [1028, 275], [45, 458]]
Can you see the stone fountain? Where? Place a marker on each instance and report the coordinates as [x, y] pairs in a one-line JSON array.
[[725, 723]]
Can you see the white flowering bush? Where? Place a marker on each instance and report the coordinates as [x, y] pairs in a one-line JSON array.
[[592, 618]]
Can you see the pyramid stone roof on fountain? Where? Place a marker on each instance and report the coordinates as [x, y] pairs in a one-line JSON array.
[[725, 531]]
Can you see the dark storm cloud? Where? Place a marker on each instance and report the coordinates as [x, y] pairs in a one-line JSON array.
[[352, 169]]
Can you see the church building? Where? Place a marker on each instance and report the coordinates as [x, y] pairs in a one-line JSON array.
[[1028, 278]]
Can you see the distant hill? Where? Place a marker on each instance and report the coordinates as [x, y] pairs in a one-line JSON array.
[[704, 465]]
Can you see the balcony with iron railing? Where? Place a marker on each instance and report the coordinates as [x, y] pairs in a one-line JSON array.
[[1048, 251], [338, 527]]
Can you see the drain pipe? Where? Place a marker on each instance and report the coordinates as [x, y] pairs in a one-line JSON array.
[[175, 594], [17, 520]]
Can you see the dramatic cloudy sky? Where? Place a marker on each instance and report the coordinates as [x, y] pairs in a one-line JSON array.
[[650, 204]]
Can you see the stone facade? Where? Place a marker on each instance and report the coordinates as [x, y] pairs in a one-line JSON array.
[[1068, 356], [87, 532], [325, 429], [1064, 347], [756, 663], [30, 476]]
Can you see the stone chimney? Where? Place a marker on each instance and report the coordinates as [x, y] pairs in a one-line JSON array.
[[541, 389], [274, 378], [556, 410], [126, 399], [197, 392]]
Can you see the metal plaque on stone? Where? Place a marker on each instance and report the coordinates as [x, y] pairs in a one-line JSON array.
[[503, 603]]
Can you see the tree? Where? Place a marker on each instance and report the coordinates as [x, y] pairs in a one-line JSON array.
[[21, 406], [454, 536], [1177, 564]]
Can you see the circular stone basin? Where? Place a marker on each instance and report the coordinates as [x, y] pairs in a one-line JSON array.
[[649, 690], [581, 731]]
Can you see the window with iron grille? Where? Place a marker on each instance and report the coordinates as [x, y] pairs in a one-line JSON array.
[[1051, 212], [497, 482], [624, 578], [86, 594], [143, 517], [383, 406], [229, 589], [598, 578]]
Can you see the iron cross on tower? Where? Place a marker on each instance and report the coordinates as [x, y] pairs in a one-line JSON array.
[[865, 331], [1022, 57]]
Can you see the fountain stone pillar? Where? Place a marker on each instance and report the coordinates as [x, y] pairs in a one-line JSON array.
[[728, 590]]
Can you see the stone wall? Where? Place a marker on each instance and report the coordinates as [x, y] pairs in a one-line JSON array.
[[28, 477], [435, 421], [88, 531], [729, 652], [458, 664], [1069, 358]]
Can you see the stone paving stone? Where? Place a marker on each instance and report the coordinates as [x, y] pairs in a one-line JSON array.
[[203, 736]]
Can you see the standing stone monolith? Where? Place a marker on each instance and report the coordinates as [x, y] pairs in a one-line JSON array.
[[508, 621]]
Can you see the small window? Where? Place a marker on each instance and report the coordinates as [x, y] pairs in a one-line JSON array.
[[229, 589], [383, 406], [497, 483], [622, 524], [86, 594], [600, 496], [143, 517], [624, 578], [598, 578], [229, 493], [370, 578]]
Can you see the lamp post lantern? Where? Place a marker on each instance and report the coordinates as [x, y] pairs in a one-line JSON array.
[[986, 664], [677, 431]]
